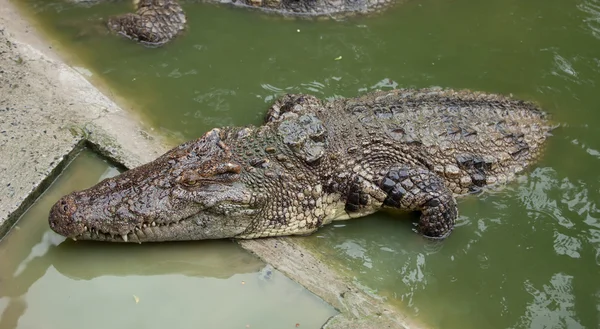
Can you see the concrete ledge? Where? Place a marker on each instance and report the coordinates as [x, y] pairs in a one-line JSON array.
[[358, 308], [48, 111]]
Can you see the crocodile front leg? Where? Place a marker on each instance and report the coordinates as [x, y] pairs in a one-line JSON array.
[[419, 189]]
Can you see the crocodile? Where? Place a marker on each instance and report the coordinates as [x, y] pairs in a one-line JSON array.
[[156, 22], [313, 8], [313, 162]]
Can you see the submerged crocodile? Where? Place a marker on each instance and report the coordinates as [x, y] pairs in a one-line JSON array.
[[156, 22], [312, 163]]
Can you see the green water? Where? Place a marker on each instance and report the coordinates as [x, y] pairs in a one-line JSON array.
[[47, 282], [527, 256]]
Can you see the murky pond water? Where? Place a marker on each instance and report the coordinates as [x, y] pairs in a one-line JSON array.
[[47, 282], [527, 256]]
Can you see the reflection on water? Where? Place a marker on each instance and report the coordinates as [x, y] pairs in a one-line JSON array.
[[47, 282], [592, 22], [552, 306]]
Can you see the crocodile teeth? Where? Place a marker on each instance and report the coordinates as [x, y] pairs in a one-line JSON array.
[[85, 228], [74, 239], [124, 236], [153, 223]]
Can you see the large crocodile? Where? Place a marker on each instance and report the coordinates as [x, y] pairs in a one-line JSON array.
[[314, 162], [156, 22]]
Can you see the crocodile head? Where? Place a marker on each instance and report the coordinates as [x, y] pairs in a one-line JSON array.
[[192, 192]]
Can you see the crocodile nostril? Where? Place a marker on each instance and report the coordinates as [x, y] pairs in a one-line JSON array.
[[65, 207], [62, 219]]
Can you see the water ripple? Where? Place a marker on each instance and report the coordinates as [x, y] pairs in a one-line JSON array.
[[593, 152], [217, 100], [552, 305], [175, 73], [573, 209], [595, 239], [412, 275], [591, 7], [314, 87], [536, 196], [386, 83], [565, 69], [564, 65], [271, 88], [566, 245], [356, 251]]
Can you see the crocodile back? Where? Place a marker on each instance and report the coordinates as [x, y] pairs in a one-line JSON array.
[[471, 139]]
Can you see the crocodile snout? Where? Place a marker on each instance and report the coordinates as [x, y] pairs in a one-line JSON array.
[[62, 219]]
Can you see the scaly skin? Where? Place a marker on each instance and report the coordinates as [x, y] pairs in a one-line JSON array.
[[312, 163], [157, 22], [313, 8], [154, 23]]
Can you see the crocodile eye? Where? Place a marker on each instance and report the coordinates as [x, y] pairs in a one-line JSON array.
[[191, 183]]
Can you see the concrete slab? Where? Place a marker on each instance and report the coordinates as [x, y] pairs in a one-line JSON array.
[[48, 110]]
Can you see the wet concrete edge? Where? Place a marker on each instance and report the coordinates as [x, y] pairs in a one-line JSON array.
[[49, 112]]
